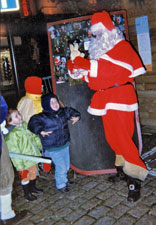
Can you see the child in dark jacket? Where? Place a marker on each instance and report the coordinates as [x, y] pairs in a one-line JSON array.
[[52, 127]]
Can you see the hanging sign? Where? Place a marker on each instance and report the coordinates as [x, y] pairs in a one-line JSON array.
[[9, 5], [144, 44], [25, 8]]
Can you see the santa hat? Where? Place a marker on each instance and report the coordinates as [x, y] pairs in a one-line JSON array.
[[101, 21], [33, 85]]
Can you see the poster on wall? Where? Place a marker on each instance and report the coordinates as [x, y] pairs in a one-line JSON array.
[[144, 43], [77, 30]]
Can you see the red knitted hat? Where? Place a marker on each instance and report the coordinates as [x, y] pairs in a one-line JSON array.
[[33, 85], [101, 20]]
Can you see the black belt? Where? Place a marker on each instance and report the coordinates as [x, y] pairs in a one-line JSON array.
[[115, 85]]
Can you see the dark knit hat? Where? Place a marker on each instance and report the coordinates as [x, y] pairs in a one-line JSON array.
[[33, 85], [45, 101]]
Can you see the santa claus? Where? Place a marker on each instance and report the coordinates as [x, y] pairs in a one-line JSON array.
[[110, 71]]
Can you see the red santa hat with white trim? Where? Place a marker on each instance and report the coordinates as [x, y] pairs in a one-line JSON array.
[[101, 21]]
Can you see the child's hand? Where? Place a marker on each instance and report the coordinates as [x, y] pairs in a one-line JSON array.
[[74, 119], [46, 133]]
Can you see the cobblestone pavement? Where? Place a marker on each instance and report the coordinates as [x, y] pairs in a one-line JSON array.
[[92, 200]]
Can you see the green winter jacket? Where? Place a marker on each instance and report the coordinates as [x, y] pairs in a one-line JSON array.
[[22, 141]]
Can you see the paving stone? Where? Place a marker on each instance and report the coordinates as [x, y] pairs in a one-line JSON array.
[[85, 220], [75, 215], [126, 220], [106, 194], [147, 190], [131, 204], [104, 186], [138, 211], [54, 198], [61, 213], [93, 192], [20, 201], [119, 185], [153, 182], [89, 185], [99, 211], [123, 191], [61, 222], [22, 221], [81, 181], [102, 178], [46, 222], [59, 204], [114, 200], [91, 204], [146, 220], [153, 210], [118, 211], [150, 200], [76, 203], [25, 223], [41, 206], [37, 218], [147, 180], [74, 194], [105, 221], [46, 213]]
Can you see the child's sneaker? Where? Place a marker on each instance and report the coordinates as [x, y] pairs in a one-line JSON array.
[[64, 189]]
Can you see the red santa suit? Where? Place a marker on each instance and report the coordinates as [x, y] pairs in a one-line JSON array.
[[112, 77]]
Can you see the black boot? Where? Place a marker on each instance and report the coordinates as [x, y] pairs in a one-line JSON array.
[[27, 193], [70, 183], [33, 187], [120, 175], [134, 186]]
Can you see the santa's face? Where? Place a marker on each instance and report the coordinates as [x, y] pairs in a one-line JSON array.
[[102, 41], [97, 45], [97, 35]]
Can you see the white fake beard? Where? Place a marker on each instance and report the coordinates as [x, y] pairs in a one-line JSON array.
[[104, 41]]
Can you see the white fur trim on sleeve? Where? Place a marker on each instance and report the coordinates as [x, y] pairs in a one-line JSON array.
[[137, 72], [93, 68]]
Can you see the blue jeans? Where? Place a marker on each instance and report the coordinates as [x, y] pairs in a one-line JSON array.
[[62, 163]]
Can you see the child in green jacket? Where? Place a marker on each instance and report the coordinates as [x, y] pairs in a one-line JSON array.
[[21, 141]]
